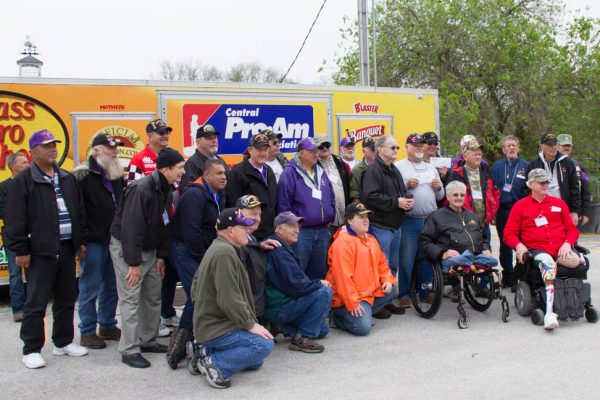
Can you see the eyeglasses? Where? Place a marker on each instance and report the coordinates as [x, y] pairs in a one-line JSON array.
[[460, 195], [392, 147], [274, 142], [431, 142], [324, 146]]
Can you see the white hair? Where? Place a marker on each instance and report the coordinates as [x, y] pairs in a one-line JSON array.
[[455, 186]]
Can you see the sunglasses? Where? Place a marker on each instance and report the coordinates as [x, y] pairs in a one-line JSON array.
[[163, 133], [460, 195], [324, 146], [393, 148], [431, 142], [544, 183]]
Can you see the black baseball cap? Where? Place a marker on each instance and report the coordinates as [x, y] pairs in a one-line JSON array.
[[414, 138], [356, 209], [430, 136], [548, 138], [102, 139], [249, 201], [270, 134], [231, 217], [369, 142], [158, 125], [259, 140], [206, 131]]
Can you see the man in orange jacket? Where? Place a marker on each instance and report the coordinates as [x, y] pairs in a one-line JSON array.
[[359, 274]]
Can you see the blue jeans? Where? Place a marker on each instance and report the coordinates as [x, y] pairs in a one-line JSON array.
[[506, 253], [238, 350], [186, 267], [360, 326], [306, 315], [389, 241], [311, 248], [15, 280], [167, 291], [409, 251], [97, 281], [467, 258]]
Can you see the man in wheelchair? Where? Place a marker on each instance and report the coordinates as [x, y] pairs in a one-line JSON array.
[[541, 225]]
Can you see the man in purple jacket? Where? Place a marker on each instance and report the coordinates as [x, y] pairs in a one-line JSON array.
[[305, 190]]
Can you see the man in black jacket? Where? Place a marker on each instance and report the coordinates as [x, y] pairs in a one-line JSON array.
[[564, 183], [207, 145], [383, 192], [45, 226], [254, 176], [101, 181], [138, 247]]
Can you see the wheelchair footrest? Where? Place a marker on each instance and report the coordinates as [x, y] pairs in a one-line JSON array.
[[570, 296]]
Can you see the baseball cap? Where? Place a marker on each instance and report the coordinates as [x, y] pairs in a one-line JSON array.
[[430, 136], [466, 139], [270, 134], [321, 140], [356, 209], [259, 140], [287, 217], [206, 131], [548, 138], [42, 137], [231, 217], [102, 139], [414, 138], [307, 143], [369, 142], [347, 142], [249, 201], [158, 125], [565, 139], [538, 175], [472, 145]]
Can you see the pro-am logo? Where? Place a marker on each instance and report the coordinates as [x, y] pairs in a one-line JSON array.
[[361, 134], [238, 122]]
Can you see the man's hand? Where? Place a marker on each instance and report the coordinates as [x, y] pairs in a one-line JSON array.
[[405, 204], [584, 220], [160, 267], [564, 251], [134, 274], [521, 251], [436, 184], [358, 311], [450, 253], [574, 218], [443, 171], [325, 283], [270, 244], [82, 252], [386, 287], [412, 183], [487, 253], [261, 331], [23, 261]]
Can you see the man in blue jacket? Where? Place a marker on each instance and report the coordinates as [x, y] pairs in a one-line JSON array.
[[510, 176], [296, 302], [305, 190], [193, 231]]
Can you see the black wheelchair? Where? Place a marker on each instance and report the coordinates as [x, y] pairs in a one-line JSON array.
[[428, 281], [572, 296]]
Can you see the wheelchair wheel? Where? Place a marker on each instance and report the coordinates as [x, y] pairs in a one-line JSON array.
[[591, 315], [474, 283], [463, 322], [426, 284], [537, 317], [523, 300]]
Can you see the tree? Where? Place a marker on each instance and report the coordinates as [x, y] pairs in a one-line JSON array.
[[193, 70]]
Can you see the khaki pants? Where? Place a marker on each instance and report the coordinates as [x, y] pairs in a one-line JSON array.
[[139, 304]]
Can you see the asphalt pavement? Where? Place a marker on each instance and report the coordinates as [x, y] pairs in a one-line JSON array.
[[405, 357]]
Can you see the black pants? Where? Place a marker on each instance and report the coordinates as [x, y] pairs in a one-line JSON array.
[[506, 253], [46, 277]]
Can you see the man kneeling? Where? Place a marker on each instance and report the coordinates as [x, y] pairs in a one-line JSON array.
[[225, 324], [359, 274], [296, 302]]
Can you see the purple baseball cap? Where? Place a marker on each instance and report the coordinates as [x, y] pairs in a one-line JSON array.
[[347, 142], [42, 137], [307, 143], [287, 217]]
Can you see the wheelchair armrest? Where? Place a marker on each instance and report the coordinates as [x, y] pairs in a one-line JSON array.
[[581, 249]]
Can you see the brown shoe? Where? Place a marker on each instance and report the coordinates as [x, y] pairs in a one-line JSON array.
[[405, 303], [18, 316], [395, 309], [306, 345], [428, 299], [92, 342], [109, 334], [382, 314]]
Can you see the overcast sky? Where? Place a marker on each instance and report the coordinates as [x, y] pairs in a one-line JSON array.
[[129, 38]]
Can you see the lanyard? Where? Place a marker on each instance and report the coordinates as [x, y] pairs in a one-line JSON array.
[[507, 171]]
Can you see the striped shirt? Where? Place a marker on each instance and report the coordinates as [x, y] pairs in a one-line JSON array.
[[64, 219]]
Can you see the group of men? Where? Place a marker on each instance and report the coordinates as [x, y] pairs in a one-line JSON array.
[[269, 246]]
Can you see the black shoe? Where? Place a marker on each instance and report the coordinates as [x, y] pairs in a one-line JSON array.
[[176, 350], [135, 360], [155, 348], [382, 314], [395, 309]]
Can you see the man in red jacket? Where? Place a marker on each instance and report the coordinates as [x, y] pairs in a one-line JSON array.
[[541, 225]]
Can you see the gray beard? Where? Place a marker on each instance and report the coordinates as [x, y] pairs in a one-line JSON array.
[[112, 167]]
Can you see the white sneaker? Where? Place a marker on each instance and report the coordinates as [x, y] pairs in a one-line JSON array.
[[34, 361], [172, 322], [550, 321], [71, 349], [163, 330]]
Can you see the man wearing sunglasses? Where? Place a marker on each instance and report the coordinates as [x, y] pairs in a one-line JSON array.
[[144, 162], [207, 146], [430, 149], [275, 159]]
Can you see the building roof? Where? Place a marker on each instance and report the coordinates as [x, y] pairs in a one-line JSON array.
[[29, 60]]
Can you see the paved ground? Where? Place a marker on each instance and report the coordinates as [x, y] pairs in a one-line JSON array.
[[406, 357]]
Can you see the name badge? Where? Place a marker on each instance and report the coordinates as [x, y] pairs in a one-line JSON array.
[[165, 218], [541, 221], [555, 209], [520, 176], [477, 195], [507, 187], [316, 194]]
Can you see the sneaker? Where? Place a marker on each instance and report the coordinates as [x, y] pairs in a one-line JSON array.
[[163, 330], [18, 317], [452, 294], [550, 321], [332, 323], [382, 314], [109, 334], [213, 375], [306, 345], [173, 322], [194, 353], [177, 347], [405, 303], [34, 361], [394, 309], [92, 342], [72, 349]]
